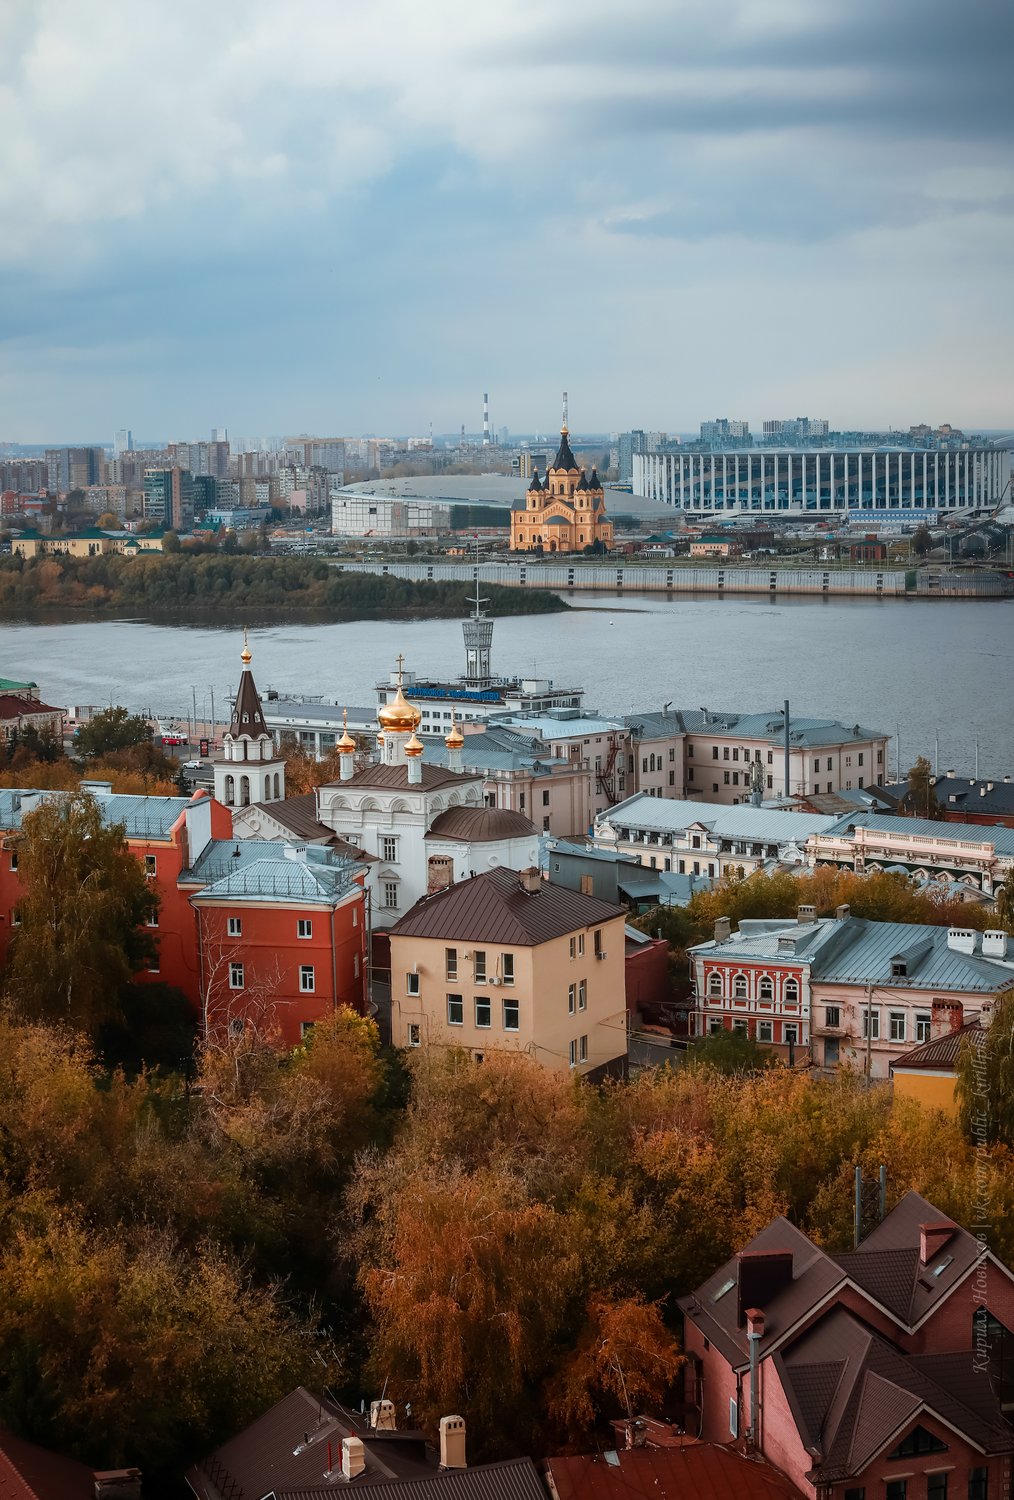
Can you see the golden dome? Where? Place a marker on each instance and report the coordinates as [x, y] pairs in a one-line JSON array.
[[246, 655], [400, 715], [455, 739], [414, 747], [346, 745]]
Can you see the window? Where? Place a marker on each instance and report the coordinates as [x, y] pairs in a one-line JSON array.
[[237, 1026], [235, 976], [573, 947], [150, 864], [15, 917], [978, 1484], [714, 752], [733, 1417], [511, 1015], [856, 1494], [479, 965], [725, 778], [411, 984], [597, 942], [714, 786], [735, 778], [582, 1049], [896, 1020], [451, 963], [455, 1010], [739, 987], [923, 1025], [304, 928], [725, 752], [545, 799], [936, 1486], [828, 767], [790, 994], [582, 995], [918, 1442], [580, 945], [483, 1012], [816, 765], [771, 757], [508, 968], [715, 984], [14, 859], [860, 757], [571, 999], [153, 964], [235, 926], [306, 983], [389, 849], [414, 1034], [871, 1025], [306, 1030], [740, 1028], [767, 989], [832, 1015], [790, 1034], [391, 895], [765, 1031], [152, 920], [715, 1028], [573, 1053]]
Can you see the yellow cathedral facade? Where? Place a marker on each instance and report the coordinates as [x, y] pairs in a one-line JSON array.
[[565, 512]]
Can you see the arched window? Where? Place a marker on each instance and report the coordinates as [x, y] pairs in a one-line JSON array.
[[791, 991], [739, 987], [277, 787], [246, 718], [244, 791], [767, 989], [230, 791], [715, 984]]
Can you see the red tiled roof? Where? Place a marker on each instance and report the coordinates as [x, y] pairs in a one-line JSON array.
[[31, 1473], [939, 1052], [701, 1471], [14, 707], [494, 908]]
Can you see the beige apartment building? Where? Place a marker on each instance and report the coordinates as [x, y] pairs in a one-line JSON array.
[[509, 962]]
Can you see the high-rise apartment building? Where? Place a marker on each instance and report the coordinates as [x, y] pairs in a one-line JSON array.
[[169, 497], [724, 429], [123, 441], [797, 429], [73, 468]]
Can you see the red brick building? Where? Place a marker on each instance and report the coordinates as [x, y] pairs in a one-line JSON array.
[[886, 1373]]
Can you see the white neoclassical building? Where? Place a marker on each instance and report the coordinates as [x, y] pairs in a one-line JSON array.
[[424, 826]]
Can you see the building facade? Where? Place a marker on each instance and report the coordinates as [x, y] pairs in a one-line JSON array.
[[509, 962], [967, 857], [689, 838], [865, 484], [566, 513]]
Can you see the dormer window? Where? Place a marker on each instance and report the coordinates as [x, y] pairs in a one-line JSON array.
[[899, 968], [726, 1286], [246, 718]]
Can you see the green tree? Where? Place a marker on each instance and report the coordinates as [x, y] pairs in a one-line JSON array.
[[1005, 902], [985, 1079], [81, 937], [730, 1052], [112, 729], [922, 540], [920, 801], [171, 543]]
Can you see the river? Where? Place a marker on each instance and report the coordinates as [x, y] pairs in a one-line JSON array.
[[937, 669]]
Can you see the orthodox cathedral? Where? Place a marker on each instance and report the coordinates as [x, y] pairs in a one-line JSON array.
[[565, 512]]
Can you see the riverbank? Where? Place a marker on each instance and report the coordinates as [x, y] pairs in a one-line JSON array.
[[229, 589]]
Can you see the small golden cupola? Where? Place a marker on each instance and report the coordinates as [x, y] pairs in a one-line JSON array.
[[399, 715], [414, 747], [455, 739], [346, 745]]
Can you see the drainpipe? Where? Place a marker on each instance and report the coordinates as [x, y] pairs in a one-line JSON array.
[[754, 1334], [786, 708]]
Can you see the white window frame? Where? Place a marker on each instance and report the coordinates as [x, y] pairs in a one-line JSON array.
[[897, 1025], [390, 895], [237, 976], [871, 1032], [235, 927], [307, 979], [582, 994], [515, 1007], [479, 966], [450, 963], [304, 927], [571, 999], [458, 1001], [412, 984], [573, 1052], [414, 1034], [487, 1004], [507, 968], [582, 1048]]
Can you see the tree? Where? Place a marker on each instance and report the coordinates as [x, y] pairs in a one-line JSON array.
[[920, 801], [922, 540], [730, 1052], [985, 1079], [624, 1362], [112, 729], [81, 937], [108, 521], [1005, 902], [171, 543]]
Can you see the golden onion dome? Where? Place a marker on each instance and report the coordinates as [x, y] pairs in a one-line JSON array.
[[414, 747], [399, 715], [346, 745], [455, 739], [246, 655]]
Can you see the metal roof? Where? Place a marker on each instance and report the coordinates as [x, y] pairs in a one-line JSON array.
[[762, 824], [1000, 837], [550, 726], [510, 1479], [494, 908], [939, 1052], [142, 817], [698, 1471]]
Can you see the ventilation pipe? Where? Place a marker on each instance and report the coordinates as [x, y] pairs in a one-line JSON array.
[[754, 1334], [786, 728]]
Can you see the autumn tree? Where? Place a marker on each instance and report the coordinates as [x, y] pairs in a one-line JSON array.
[[81, 935], [623, 1364], [920, 801], [112, 729], [985, 1078]]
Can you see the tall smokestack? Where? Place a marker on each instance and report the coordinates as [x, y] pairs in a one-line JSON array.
[[485, 419]]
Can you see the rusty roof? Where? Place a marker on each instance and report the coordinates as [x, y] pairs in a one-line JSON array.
[[700, 1471], [481, 825], [31, 1473], [940, 1051], [494, 908], [396, 777], [510, 1479]]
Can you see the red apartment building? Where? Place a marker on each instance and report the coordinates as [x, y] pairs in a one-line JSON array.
[[886, 1373]]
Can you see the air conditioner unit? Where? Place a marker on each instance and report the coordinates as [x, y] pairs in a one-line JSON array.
[[601, 955], [495, 979]]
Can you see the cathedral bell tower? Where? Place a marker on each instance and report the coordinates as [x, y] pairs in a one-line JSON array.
[[250, 769]]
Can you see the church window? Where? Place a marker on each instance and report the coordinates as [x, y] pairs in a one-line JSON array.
[[244, 791], [246, 718], [230, 791]]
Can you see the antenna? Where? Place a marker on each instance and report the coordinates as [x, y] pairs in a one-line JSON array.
[[566, 422]]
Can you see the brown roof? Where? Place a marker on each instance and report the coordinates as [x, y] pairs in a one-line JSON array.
[[939, 1052], [397, 777], [273, 1457], [700, 1471], [481, 825], [14, 707], [31, 1473], [299, 816], [247, 714], [493, 908]]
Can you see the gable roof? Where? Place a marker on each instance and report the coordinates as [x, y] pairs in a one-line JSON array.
[[691, 1471], [396, 778], [31, 1473], [298, 816], [940, 1052], [494, 908]]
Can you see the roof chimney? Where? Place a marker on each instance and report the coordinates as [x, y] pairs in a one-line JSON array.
[[842, 912], [117, 1484], [452, 1443], [530, 881], [762, 1275], [723, 929], [635, 1432], [353, 1457], [754, 1323], [946, 1016], [805, 915], [382, 1416], [994, 943], [932, 1239], [961, 939]]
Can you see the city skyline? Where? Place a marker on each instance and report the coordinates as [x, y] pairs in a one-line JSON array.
[[763, 207]]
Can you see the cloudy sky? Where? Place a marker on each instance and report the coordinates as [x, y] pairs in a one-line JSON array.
[[343, 216]]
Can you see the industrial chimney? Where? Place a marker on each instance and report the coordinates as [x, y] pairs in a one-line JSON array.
[[485, 419]]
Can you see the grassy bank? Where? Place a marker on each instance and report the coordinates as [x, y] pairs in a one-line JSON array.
[[180, 584]]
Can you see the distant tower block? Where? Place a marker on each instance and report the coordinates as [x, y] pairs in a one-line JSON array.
[[478, 633], [485, 419]]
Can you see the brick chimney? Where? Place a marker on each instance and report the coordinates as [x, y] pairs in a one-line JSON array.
[[530, 881], [452, 1443], [805, 915], [723, 929], [635, 1433], [762, 1275], [932, 1239], [946, 1016], [754, 1323]]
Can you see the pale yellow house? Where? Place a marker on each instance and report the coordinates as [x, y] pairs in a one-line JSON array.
[[90, 543], [509, 962], [929, 1073]]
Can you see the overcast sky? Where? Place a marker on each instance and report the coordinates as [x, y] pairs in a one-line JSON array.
[[342, 216]]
